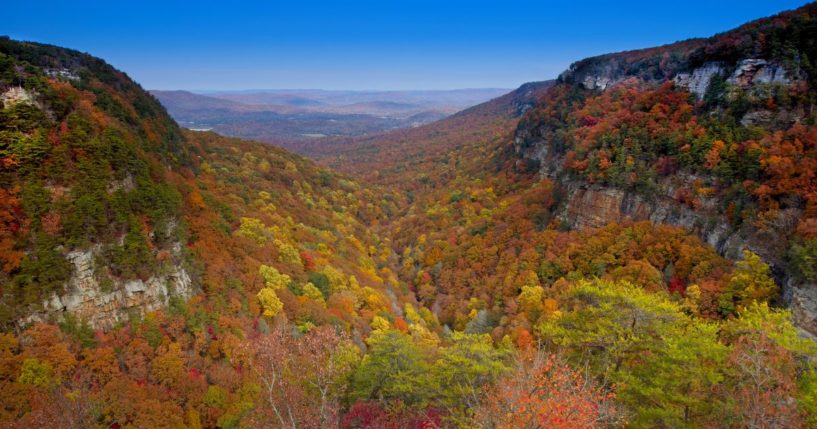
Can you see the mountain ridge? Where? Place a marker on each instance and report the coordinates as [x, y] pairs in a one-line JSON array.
[[536, 259]]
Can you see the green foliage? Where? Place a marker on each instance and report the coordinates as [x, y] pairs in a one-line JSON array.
[[78, 329], [760, 319], [320, 281], [750, 283], [466, 367], [666, 363], [134, 258], [807, 400], [42, 271], [393, 369], [803, 259], [215, 397]]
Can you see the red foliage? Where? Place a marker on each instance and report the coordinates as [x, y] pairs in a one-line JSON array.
[[677, 285], [308, 260], [371, 415]]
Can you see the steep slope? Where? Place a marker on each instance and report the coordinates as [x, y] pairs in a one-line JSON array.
[[716, 135], [669, 169], [458, 284], [86, 156], [109, 206], [142, 263]]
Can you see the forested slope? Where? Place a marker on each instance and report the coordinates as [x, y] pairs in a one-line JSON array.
[[458, 281]]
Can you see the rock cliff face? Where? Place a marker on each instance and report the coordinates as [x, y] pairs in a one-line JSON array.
[[755, 71], [591, 205], [596, 206], [698, 81], [17, 95], [102, 302]]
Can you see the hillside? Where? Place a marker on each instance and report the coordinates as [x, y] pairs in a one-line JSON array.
[[715, 135], [476, 133], [711, 135], [711, 139], [86, 158], [128, 245], [545, 259]]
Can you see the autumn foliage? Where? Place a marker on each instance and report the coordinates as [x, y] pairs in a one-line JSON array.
[[439, 281]]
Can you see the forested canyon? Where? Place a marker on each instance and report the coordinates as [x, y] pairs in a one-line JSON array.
[[632, 244]]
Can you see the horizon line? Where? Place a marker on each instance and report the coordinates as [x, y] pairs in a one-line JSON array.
[[337, 90]]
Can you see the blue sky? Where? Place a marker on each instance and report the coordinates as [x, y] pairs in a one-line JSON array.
[[364, 45]]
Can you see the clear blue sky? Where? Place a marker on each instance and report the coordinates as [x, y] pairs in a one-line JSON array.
[[364, 45]]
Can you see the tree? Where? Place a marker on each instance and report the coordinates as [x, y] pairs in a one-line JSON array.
[[394, 369], [668, 365], [302, 378], [271, 360], [751, 282], [544, 392], [273, 280], [12, 224], [465, 369], [769, 368], [803, 257], [36, 373], [270, 303], [328, 357], [254, 229]]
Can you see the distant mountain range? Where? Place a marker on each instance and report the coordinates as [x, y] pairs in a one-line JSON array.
[[285, 117]]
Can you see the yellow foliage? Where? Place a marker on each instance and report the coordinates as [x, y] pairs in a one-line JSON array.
[[313, 293], [272, 278], [255, 229], [337, 281], [287, 253], [380, 324], [270, 302]]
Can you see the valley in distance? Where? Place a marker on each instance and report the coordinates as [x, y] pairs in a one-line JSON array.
[[292, 118], [627, 242]]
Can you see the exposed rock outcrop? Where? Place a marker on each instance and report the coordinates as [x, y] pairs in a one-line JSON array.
[[18, 95], [597, 82], [592, 205], [802, 301], [104, 303], [755, 71], [62, 73], [596, 206], [698, 81]]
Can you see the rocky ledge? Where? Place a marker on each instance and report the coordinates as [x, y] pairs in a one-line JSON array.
[[103, 304]]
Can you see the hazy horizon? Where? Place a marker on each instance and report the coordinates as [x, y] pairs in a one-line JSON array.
[[262, 90]]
